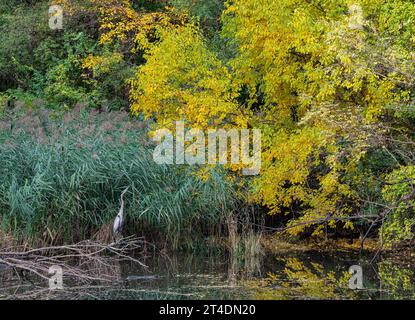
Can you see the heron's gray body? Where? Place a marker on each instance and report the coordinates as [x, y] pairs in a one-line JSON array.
[[119, 219], [118, 223]]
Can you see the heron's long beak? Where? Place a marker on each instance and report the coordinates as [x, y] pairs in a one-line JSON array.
[[125, 190]]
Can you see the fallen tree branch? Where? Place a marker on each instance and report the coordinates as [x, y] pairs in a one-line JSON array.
[[86, 262], [323, 220]]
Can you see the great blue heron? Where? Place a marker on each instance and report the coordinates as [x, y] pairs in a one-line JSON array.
[[119, 219]]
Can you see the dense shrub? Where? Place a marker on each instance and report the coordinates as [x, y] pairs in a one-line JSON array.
[[61, 181]]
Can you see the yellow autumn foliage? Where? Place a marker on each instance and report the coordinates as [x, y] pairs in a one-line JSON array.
[[316, 77]]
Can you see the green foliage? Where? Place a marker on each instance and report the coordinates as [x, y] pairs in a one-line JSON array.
[[329, 83], [62, 84], [49, 64], [62, 179], [3, 103], [207, 12], [21, 29], [400, 194], [396, 279], [107, 75]]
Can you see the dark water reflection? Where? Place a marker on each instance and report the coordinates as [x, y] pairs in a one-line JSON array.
[[323, 276], [186, 276]]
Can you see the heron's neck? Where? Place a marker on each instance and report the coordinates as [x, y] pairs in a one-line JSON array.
[[122, 205]]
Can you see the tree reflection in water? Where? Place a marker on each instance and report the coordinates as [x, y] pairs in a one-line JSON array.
[[308, 278]]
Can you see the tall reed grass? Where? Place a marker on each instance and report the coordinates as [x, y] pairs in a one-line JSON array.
[[61, 178]]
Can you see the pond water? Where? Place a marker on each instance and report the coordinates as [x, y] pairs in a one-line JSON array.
[[311, 275]]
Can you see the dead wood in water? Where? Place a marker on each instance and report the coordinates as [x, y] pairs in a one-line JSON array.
[[86, 262]]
